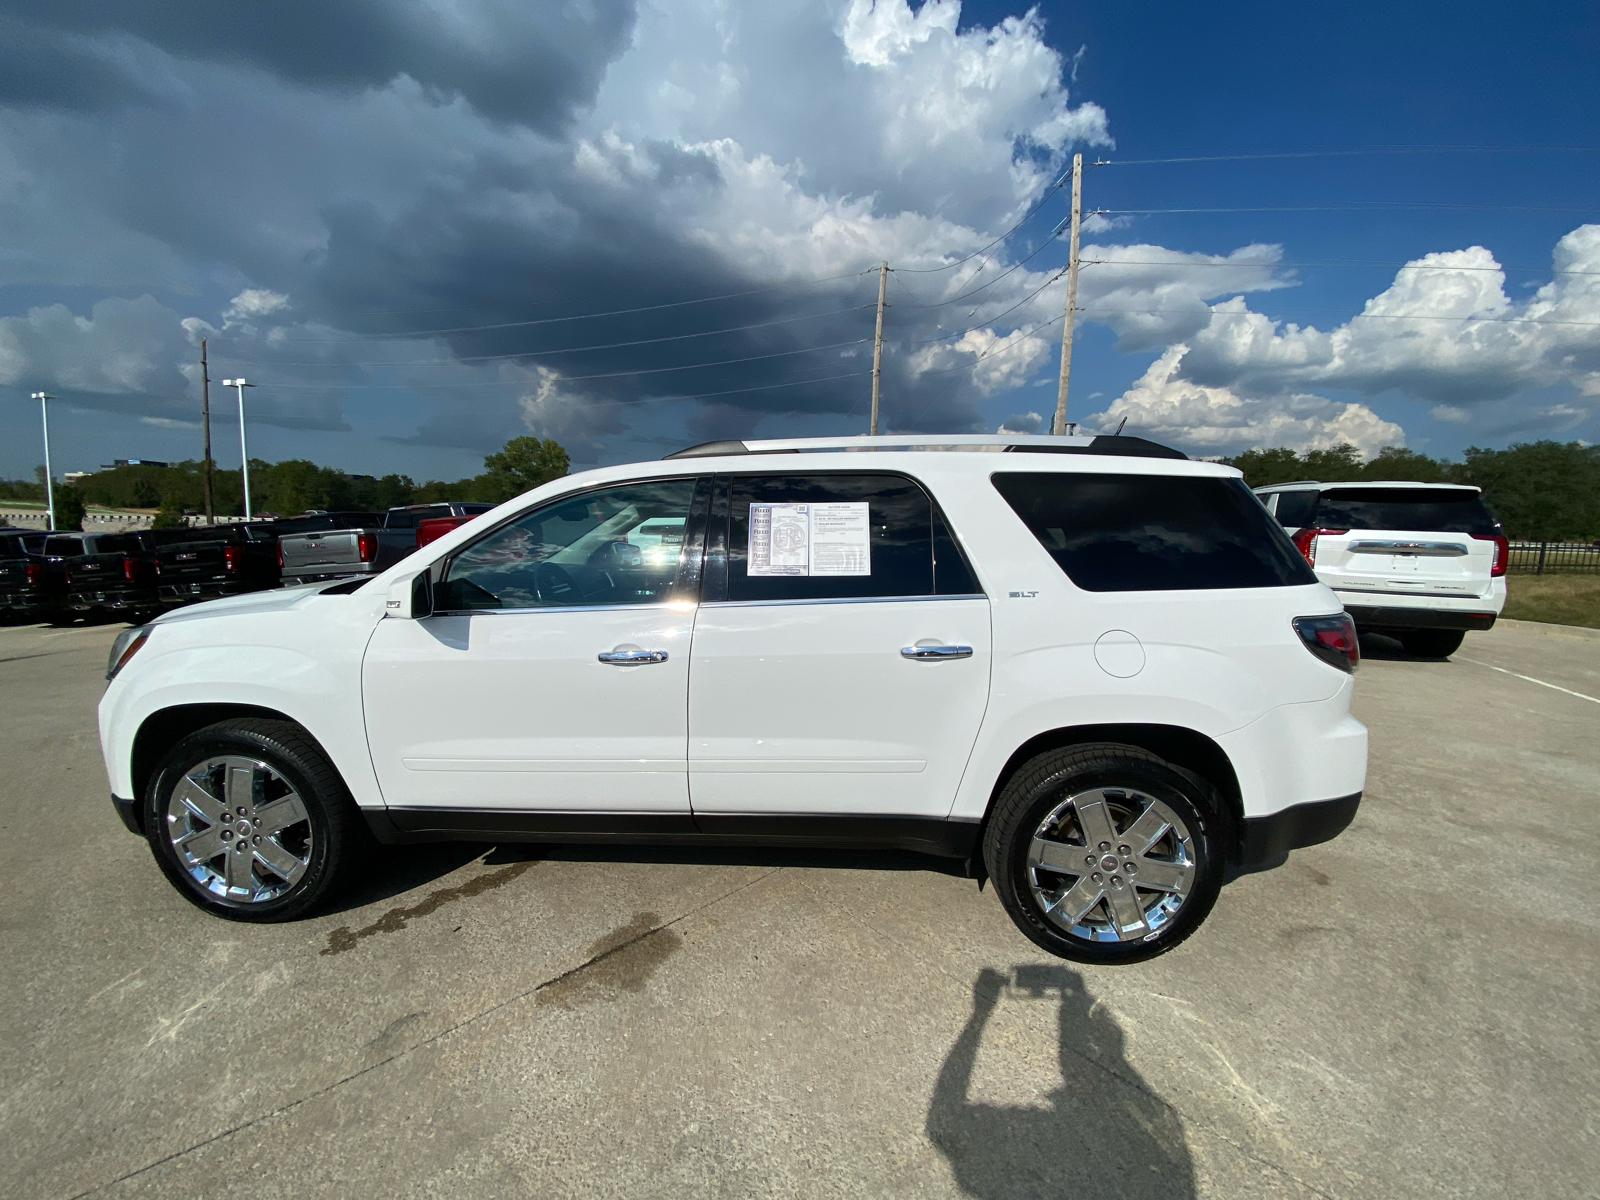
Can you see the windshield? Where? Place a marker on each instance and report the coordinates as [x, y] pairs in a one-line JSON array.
[[1432, 510]]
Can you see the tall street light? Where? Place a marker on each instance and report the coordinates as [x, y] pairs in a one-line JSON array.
[[49, 485], [244, 451]]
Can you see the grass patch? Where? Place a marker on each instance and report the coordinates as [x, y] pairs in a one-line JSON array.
[[1558, 599]]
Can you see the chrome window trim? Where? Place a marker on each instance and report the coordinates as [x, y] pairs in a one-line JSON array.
[[684, 606], [837, 600]]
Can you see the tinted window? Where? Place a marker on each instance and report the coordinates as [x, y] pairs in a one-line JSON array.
[[1433, 510], [400, 520], [1136, 533], [616, 546], [63, 546], [1295, 508], [896, 559]]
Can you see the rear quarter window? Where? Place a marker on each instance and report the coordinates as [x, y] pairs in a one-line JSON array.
[[1152, 533], [1430, 510]]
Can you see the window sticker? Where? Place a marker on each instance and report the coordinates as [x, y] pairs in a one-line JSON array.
[[809, 539]]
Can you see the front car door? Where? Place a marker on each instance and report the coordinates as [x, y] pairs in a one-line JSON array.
[[841, 654], [553, 674]]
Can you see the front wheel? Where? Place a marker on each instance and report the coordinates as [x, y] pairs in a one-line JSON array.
[[1432, 643], [1106, 853], [250, 821]]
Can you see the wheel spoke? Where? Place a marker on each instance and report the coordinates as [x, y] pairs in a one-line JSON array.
[[1145, 832], [1164, 876], [1126, 913], [192, 794], [280, 814], [279, 861], [1076, 901], [237, 869], [202, 844], [1094, 818], [1055, 856], [241, 787]]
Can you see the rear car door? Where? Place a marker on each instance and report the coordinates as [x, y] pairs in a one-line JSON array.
[[841, 652], [553, 675]]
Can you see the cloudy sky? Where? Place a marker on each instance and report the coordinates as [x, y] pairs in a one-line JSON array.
[[423, 227]]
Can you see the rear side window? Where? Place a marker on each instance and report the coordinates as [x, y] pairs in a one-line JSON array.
[[1431, 510], [1295, 508], [63, 546], [826, 537], [400, 520], [1153, 533]]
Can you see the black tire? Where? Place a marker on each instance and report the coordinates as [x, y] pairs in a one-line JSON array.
[[333, 837], [1432, 643], [1041, 786]]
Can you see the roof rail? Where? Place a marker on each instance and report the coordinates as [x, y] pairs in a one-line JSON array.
[[995, 443]]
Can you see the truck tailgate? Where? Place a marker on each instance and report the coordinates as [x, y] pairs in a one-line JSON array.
[[313, 553]]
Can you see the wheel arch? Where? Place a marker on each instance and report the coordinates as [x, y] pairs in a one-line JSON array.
[[1177, 744], [166, 727]]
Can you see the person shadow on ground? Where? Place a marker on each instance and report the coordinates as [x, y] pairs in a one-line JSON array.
[[1105, 1134]]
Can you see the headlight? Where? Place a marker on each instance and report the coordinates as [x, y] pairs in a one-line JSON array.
[[124, 648]]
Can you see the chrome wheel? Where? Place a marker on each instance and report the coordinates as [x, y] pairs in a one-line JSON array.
[[241, 832], [1111, 865]]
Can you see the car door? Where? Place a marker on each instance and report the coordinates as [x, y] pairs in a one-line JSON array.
[[841, 652], [553, 673]]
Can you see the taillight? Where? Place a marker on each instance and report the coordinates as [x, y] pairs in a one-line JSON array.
[[434, 528], [1502, 552], [33, 573], [280, 555], [367, 546], [1332, 639], [130, 569], [232, 556], [1306, 541]]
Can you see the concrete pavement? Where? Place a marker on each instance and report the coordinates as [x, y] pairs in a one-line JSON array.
[[1406, 1011]]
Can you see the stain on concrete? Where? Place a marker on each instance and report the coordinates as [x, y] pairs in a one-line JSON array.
[[622, 961], [1317, 877], [396, 919], [393, 1030]]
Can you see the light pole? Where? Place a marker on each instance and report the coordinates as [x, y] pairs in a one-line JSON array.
[[244, 451], [49, 485]]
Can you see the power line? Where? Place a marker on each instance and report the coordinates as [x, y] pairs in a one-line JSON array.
[[1358, 206], [1026, 217], [1350, 152], [427, 362], [619, 312], [571, 378], [1153, 312], [1331, 262]]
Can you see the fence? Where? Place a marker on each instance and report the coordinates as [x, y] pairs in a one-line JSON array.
[[1546, 558]]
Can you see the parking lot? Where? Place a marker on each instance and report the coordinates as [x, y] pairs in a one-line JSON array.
[[1409, 1010]]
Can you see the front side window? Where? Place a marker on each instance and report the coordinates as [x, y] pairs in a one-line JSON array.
[[1137, 533], [619, 545], [825, 537]]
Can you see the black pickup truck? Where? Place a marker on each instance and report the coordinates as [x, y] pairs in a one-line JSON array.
[[111, 572], [30, 585], [217, 560]]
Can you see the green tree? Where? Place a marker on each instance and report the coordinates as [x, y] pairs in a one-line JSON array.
[[1540, 491], [1262, 467], [69, 508], [523, 464], [1337, 465], [169, 518], [1396, 462]]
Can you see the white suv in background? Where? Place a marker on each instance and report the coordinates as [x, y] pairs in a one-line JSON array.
[[1423, 562], [1092, 669]]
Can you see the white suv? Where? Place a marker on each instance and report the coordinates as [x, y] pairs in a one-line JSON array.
[[1092, 669], [1423, 562]]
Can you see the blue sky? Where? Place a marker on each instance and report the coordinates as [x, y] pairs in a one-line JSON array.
[[171, 174]]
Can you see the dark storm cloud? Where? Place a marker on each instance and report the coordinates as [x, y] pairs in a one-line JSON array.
[[528, 62]]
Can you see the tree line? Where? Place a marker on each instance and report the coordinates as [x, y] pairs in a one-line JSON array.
[[1540, 491], [290, 487]]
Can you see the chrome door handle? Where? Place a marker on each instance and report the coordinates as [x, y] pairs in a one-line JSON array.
[[632, 658], [936, 652]]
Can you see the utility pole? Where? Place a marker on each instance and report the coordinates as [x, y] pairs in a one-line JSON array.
[[877, 344], [49, 483], [1060, 427], [205, 408], [244, 450]]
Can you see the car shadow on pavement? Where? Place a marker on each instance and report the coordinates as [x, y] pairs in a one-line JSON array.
[[1104, 1134]]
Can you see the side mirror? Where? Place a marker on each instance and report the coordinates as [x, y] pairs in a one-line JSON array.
[[410, 596]]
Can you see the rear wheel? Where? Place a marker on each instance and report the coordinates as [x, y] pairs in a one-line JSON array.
[[1432, 643], [1106, 853], [250, 821]]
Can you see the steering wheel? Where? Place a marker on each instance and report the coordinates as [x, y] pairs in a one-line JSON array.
[[556, 586]]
